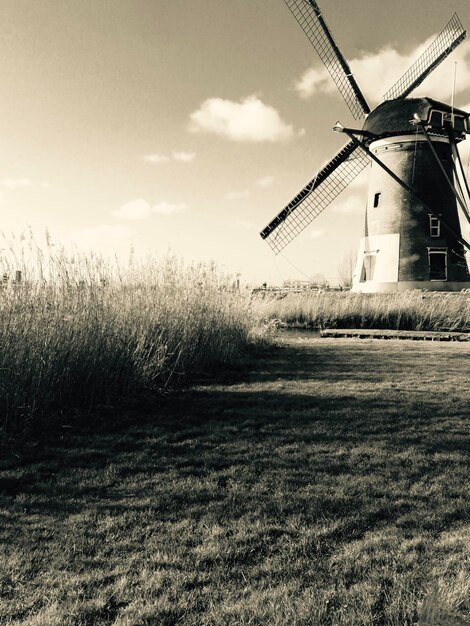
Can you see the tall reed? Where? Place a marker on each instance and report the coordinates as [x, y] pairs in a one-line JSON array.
[[411, 310], [77, 330]]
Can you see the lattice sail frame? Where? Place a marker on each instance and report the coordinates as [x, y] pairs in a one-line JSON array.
[[308, 15], [329, 182], [448, 39]]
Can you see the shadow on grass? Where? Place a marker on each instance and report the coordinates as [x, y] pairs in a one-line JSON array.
[[341, 438], [294, 396]]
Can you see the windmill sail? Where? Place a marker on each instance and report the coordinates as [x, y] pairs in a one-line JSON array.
[[329, 182], [451, 36], [308, 15]]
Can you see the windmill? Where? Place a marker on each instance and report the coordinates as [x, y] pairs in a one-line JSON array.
[[412, 233]]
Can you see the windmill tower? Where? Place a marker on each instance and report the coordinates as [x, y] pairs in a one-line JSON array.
[[412, 235]]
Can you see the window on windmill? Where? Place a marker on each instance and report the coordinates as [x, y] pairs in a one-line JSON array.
[[377, 199], [459, 124], [437, 263], [434, 226], [368, 266], [436, 119]]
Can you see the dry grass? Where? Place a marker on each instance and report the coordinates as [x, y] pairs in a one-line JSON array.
[[326, 485], [77, 331], [412, 310]]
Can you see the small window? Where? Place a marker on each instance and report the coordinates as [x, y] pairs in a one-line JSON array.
[[437, 263], [459, 124], [436, 119], [434, 226], [377, 199]]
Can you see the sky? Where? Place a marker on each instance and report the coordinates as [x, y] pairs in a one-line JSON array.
[[182, 127]]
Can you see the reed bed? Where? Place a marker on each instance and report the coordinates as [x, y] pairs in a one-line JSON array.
[[77, 331], [411, 310]]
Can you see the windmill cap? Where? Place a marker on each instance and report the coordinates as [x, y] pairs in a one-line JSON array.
[[399, 117]]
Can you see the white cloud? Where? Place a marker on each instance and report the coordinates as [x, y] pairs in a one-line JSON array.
[[248, 120], [21, 183], [167, 208], [313, 80], [183, 157], [140, 209], [378, 71], [156, 158], [15, 183], [237, 195], [265, 181]]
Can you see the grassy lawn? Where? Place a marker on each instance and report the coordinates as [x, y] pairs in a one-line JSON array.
[[326, 484]]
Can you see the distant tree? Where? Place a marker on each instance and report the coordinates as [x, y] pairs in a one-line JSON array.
[[346, 270], [318, 279]]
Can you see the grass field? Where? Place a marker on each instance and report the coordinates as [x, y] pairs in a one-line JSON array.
[[412, 310], [326, 484]]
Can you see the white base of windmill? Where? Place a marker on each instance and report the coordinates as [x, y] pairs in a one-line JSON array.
[[377, 264], [377, 267]]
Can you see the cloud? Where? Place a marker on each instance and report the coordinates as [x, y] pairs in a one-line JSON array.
[[314, 80], [248, 120], [21, 183], [237, 195], [167, 208], [265, 181], [183, 157], [15, 183], [140, 209], [378, 71], [156, 158]]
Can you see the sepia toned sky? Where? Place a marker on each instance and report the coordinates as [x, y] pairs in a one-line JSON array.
[[185, 126]]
